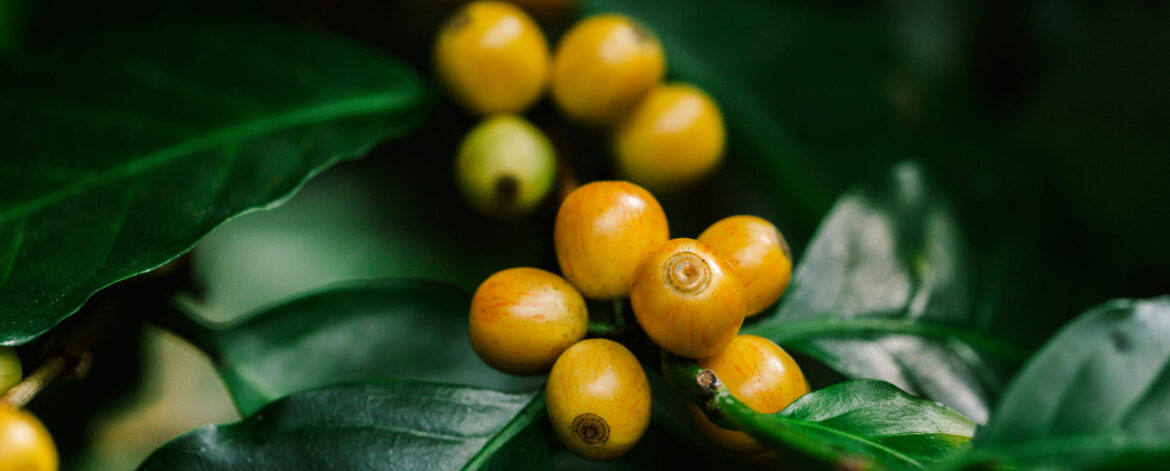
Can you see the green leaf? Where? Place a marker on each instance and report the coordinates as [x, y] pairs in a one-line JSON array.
[[856, 424], [383, 425], [1097, 396], [401, 329], [884, 291], [134, 145]]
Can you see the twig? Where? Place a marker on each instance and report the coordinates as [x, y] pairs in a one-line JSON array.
[[28, 388]]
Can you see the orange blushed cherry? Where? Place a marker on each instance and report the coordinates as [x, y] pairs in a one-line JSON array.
[[602, 231], [688, 299], [759, 254], [598, 399], [523, 318], [759, 373]]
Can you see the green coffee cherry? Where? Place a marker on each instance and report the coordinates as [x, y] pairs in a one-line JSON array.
[[10, 372], [505, 166]]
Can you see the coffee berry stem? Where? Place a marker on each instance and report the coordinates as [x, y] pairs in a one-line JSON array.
[[27, 388], [612, 325], [619, 315]]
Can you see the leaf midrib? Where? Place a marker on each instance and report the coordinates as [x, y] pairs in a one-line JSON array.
[[350, 107], [530, 413]]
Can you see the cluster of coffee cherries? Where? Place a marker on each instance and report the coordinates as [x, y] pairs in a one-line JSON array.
[[689, 296], [25, 444], [606, 73]]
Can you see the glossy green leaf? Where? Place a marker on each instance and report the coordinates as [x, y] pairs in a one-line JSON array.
[[133, 145], [1097, 396], [884, 291], [383, 425], [387, 329], [857, 424]]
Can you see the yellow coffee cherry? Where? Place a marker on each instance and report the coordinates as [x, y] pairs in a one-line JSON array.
[[673, 139], [598, 399], [10, 370], [603, 66], [523, 318], [759, 254], [602, 231], [25, 445], [761, 375], [505, 166], [688, 299], [492, 58]]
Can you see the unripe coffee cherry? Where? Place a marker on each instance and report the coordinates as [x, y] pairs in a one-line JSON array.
[[492, 58], [761, 375], [10, 370], [603, 230], [598, 399], [673, 139], [25, 445], [759, 254], [688, 299], [523, 318], [505, 166], [603, 67]]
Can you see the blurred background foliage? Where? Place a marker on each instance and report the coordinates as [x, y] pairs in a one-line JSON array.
[[1042, 122]]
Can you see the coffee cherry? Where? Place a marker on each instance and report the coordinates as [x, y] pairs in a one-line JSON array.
[[602, 231], [492, 58], [688, 299], [759, 373], [25, 445], [673, 139], [523, 318], [759, 254], [598, 399], [10, 370], [505, 166], [603, 66]]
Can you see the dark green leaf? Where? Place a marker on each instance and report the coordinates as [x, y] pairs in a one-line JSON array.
[[1097, 396], [132, 146], [883, 291], [385, 425], [855, 424], [401, 329]]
